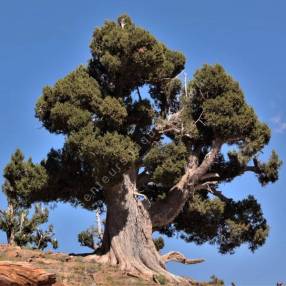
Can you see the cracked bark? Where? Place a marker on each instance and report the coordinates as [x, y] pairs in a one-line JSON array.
[[127, 239]]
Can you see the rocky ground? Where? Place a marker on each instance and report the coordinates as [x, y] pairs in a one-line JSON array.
[[58, 269]]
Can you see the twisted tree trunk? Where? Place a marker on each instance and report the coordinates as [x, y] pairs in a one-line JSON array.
[[127, 240]]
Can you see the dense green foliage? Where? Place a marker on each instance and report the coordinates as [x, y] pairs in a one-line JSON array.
[[90, 238], [22, 177], [225, 223], [166, 163], [159, 243], [108, 126]]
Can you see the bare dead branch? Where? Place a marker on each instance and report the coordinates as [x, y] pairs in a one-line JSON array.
[[205, 185], [218, 194], [186, 84], [210, 176], [139, 94], [179, 257], [199, 119]]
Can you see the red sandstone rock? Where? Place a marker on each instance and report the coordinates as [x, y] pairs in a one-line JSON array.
[[22, 274]]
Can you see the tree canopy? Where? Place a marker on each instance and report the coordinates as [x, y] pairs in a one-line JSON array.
[[129, 108]]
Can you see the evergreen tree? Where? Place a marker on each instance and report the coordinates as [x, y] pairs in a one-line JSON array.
[[155, 161], [92, 237], [20, 228], [159, 243], [40, 239]]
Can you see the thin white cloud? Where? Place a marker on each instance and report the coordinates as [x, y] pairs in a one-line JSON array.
[[279, 124]]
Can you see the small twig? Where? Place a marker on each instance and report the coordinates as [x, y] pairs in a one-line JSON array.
[[218, 194], [136, 194], [205, 185], [122, 23], [199, 119], [139, 95]]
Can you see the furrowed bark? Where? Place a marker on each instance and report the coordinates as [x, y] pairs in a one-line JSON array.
[[127, 240], [164, 212]]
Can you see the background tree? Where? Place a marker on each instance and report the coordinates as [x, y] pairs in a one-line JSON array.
[[40, 238], [159, 243], [92, 237], [155, 160], [22, 229]]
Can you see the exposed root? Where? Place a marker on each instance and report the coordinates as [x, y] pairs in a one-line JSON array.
[[127, 241], [141, 270], [179, 257], [100, 259]]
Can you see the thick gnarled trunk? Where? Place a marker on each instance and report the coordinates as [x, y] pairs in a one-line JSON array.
[[127, 240], [163, 212], [128, 232]]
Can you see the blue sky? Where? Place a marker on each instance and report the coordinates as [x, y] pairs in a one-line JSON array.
[[41, 41]]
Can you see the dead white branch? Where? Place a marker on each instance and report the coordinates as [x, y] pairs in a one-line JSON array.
[[179, 257], [210, 176]]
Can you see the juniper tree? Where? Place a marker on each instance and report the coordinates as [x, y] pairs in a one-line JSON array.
[[21, 228], [40, 239], [159, 243], [155, 160], [92, 237]]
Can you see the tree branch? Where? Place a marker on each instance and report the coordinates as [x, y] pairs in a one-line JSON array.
[[163, 212], [210, 176], [172, 125], [204, 186], [218, 194], [179, 257], [139, 94], [251, 169], [142, 179], [239, 172]]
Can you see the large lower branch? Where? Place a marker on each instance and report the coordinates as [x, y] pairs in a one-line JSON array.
[[179, 257], [163, 212]]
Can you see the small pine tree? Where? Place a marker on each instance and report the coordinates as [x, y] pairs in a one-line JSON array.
[[22, 229], [92, 237], [41, 238]]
